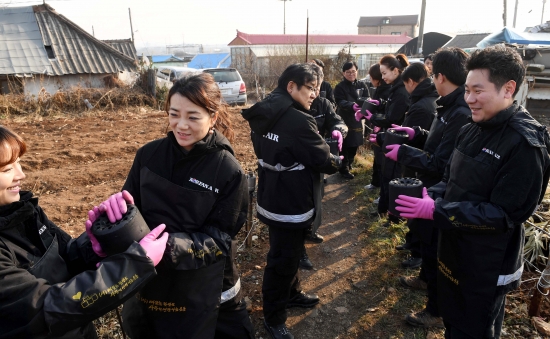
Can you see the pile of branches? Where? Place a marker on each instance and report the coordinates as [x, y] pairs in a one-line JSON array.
[[75, 100]]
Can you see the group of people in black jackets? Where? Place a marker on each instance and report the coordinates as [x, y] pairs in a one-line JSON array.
[[482, 159]]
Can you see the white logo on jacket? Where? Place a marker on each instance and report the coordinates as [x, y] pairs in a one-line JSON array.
[[202, 184], [42, 229], [488, 151], [272, 136]]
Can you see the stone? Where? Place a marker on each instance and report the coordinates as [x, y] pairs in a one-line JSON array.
[[341, 310]]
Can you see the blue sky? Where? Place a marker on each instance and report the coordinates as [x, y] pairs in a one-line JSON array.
[[162, 22]]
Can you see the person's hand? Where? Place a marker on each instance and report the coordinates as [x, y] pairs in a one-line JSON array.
[[368, 114], [338, 160], [372, 138], [376, 129], [411, 207], [92, 216], [356, 107], [408, 130], [153, 246], [374, 101], [392, 154], [359, 116], [338, 136], [115, 206]]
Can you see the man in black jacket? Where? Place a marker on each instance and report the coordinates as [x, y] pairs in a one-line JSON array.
[[429, 156], [495, 178], [326, 89], [290, 153]]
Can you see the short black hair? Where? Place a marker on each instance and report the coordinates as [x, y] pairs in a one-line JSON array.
[[349, 65], [319, 70], [300, 74], [429, 57], [503, 63], [451, 62], [416, 71]]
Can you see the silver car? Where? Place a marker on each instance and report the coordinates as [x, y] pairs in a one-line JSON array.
[[230, 83]]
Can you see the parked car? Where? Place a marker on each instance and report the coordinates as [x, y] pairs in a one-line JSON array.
[[166, 75], [230, 83]]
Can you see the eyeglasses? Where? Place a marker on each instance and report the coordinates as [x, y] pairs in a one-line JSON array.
[[311, 89], [350, 72]]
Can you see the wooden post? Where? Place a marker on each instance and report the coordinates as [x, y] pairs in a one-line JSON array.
[[251, 188]]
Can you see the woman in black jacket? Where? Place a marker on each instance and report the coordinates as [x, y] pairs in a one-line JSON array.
[[394, 110], [291, 153], [381, 93], [348, 94], [50, 287], [191, 181]]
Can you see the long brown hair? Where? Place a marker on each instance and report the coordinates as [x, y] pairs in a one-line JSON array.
[[202, 90], [12, 146]]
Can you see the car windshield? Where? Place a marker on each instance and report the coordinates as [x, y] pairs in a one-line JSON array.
[[224, 75]]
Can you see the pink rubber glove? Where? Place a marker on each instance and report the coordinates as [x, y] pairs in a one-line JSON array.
[[338, 136], [92, 216], [392, 154], [373, 101], [372, 138], [369, 114], [359, 116], [407, 130], [356, 107], [115, 206], [153, 246], [422, 208], [376, 129]]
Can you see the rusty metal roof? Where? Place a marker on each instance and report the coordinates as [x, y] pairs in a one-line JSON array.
[[125, 46], [38, 40]]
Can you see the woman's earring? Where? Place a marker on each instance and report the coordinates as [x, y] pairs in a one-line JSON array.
[[211, 130]]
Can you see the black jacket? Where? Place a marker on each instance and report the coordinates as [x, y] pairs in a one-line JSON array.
[[329, 95], [46, 294], [429, 151], [423, 105], [289, 151], [394, 107], [326, 119], [346, 96]]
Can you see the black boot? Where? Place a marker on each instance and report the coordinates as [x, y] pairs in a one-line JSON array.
[[305, 263]]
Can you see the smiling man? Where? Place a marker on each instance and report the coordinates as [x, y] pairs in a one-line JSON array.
[[493, 182]]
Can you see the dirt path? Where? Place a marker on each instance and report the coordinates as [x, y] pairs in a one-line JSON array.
[[74, 163]]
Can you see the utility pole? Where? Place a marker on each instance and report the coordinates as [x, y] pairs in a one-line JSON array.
[[421, 28], [307, 35], [93, 32], [504, 13], [515, 12], [284, 15], [542, 15], [131, 28]]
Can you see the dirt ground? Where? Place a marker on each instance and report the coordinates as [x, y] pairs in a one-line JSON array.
[[75, 162]]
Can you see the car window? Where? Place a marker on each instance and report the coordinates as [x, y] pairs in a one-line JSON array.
[[224, 75]]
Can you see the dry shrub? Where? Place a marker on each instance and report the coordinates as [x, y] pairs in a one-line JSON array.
[[72, 101]]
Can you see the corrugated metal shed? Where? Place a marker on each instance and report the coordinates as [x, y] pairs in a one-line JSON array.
[[125, 46], [75, 50], [466, 40], [165, 58], [21, 49]]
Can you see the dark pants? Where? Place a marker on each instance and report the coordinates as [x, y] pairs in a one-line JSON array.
[[428, 272], [496, 319], [377, 166], [233, 321], [349, 157], [415, 244], [281, 275]]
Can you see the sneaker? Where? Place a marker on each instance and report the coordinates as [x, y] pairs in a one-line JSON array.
[[303, 300], [278, 331], [414, 283], [411, 262], [376, 201], [371, 187], [424, 319], [305, 263]]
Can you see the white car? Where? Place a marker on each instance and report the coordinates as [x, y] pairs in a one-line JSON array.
[[166, 75], [230, 83]]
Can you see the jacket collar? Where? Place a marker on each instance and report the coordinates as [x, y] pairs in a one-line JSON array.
[[13, 214], [210, 143], [499, 119], [425, 88], [451, 98]]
